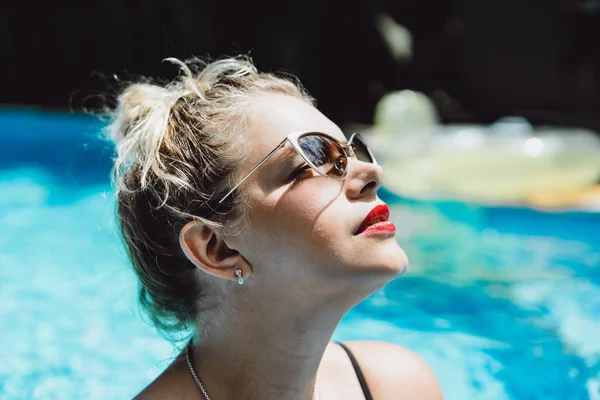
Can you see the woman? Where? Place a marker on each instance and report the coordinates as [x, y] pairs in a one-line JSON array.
[[252, 223]]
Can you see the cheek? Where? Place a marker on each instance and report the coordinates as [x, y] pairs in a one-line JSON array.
[[298, 208], [297, 221]]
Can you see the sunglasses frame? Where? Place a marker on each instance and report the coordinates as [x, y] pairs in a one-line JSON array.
[[293, 138]]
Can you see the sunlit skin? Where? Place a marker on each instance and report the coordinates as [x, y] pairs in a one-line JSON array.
[[304, 268]]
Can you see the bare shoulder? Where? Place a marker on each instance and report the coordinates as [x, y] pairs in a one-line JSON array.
[[394, 372]]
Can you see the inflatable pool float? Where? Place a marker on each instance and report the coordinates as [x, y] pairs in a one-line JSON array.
[[507, 163]]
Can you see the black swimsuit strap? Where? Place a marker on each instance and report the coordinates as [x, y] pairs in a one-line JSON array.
[[359, 374]]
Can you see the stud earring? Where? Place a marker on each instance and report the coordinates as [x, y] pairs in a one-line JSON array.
[[238, 273]]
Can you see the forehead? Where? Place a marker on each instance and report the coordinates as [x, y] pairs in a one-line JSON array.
[[275, 116]]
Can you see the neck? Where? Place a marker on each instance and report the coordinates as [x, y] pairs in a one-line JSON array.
[[272, 354]]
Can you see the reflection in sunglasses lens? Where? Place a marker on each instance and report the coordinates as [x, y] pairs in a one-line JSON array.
[[361, 150], [325, 154], [341, 164]]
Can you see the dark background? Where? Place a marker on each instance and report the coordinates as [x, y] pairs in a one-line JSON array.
[[477, 59]]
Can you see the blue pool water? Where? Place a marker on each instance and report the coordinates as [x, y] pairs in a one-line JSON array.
[[502, 303]]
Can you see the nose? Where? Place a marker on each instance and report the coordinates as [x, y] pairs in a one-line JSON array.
[[364, 179]]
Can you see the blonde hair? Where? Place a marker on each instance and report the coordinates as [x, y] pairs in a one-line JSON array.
[[179, 148]]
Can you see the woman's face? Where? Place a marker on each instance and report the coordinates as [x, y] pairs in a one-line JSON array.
[[302, 230]]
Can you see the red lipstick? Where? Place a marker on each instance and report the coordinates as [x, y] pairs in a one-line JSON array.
[[377, 221]]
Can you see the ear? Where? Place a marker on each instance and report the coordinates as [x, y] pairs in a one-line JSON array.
[[208, 252]]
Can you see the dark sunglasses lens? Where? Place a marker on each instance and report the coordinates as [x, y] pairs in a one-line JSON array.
[[361, 150], [325, 154]]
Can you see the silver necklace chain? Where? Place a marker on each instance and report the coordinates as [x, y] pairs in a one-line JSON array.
[[198, 383], [201, 387]]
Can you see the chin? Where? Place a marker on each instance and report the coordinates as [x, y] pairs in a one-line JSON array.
[[372, 273], [380, 266], [391, 262]]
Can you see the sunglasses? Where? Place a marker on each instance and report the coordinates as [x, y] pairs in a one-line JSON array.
[[324, 154]]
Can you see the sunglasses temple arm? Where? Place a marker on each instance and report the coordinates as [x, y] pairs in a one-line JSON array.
[[275, 150]]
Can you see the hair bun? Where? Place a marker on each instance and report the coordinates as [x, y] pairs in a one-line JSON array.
[[140, 124], [137, 103]]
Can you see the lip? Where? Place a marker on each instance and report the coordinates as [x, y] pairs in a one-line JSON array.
[[380, 211]]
